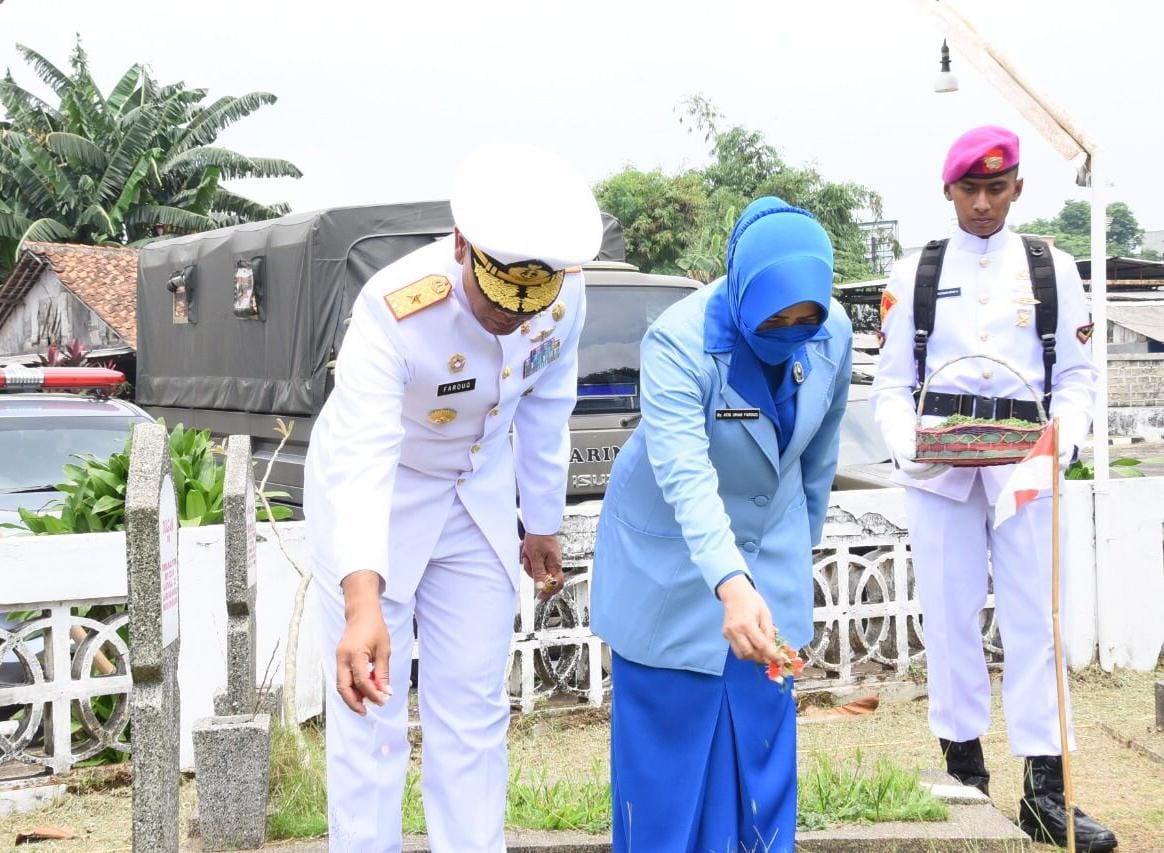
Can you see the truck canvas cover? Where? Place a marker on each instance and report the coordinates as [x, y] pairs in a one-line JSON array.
[[308, 269]]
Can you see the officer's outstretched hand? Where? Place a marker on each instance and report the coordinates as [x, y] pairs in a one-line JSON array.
[[361, 658], [541, 556], [747, 621]]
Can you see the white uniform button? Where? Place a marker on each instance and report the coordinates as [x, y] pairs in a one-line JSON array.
[[494, 412], [984, 262], [475, 448], [751, 547], [983, 337], [505, 371], [987, 373]]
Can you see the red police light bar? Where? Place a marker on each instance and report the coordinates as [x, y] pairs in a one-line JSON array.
[[58, 378]]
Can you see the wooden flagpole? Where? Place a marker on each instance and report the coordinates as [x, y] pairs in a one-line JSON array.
[[1060, 662]]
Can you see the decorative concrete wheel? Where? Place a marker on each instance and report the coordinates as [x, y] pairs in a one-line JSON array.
[[103, 717], [19, 730]]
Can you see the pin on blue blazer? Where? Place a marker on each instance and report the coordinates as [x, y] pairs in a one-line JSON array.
[[701, 490]]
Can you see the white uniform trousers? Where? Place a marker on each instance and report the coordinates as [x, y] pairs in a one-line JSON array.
[[950, 542], [464, 607]]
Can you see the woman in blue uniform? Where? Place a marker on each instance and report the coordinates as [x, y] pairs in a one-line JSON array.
[[705, 542]]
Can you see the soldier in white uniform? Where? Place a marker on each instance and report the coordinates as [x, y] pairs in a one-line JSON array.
[[410, 495], [984, 304]]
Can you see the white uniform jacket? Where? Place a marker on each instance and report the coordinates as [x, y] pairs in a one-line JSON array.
[[421, 414], [985, 306]]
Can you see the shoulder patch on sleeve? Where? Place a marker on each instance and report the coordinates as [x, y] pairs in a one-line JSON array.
[[888, 300], [417, 296]]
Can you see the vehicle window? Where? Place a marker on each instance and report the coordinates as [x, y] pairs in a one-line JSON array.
[[34, 450], [608, 352]]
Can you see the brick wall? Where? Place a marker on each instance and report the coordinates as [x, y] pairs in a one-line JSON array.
[[1135, 379]]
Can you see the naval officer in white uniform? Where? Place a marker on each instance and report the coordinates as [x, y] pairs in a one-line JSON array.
[[410, 495], [985, 304]]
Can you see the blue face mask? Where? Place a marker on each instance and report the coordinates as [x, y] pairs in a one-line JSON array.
[[776, 346]]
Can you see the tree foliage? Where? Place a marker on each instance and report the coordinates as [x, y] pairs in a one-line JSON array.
[[681, 223], [1071, 229], [123, 166]]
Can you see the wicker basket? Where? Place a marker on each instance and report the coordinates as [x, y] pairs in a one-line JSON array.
[[976, 444]]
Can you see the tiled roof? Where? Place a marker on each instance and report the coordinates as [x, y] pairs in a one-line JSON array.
[[105, 279]]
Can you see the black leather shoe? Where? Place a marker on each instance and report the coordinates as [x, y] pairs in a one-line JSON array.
[[1043, 812], [965, 763]]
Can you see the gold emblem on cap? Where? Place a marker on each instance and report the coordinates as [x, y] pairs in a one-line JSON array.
[[456, 363], [797, 372], [442, 416], [542, 335], [558, 313], [523, 288], [417, 296]]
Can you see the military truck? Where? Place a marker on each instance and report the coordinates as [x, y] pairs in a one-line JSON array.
[[237, 328]]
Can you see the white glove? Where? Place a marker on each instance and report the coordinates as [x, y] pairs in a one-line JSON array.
[[904, 448], [1073, 430]]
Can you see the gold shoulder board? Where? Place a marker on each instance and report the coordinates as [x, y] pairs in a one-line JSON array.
[[417, 296]]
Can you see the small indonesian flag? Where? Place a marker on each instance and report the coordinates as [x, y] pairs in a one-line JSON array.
[[1031, 476]]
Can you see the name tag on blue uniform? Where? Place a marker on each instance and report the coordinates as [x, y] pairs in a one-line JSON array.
[[541, 355], [949, 291], [737, 414]]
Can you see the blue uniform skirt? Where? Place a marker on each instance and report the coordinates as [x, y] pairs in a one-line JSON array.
[[702, 763]]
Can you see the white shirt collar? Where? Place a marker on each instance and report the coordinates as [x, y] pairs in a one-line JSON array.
[[967, 242]]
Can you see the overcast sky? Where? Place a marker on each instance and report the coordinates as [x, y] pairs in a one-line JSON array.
[[378, 99]]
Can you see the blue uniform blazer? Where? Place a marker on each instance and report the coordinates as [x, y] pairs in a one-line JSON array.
[[693, 497]]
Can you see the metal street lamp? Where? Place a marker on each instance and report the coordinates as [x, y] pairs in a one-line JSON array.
[[946, 81]]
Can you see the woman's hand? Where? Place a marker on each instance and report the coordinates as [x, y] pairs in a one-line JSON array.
[[747, 621]]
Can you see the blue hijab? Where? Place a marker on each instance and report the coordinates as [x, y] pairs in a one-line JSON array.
[[777, 256]]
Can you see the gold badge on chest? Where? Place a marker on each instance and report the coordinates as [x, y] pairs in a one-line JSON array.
[[442, 416], [456, 363]]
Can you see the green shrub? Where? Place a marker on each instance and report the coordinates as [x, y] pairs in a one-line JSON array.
[[93, 494]]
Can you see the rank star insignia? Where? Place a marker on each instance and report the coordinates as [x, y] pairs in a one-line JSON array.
[[417, 296], [441, 416], [1023, 319], [558, 313], [456, 363]]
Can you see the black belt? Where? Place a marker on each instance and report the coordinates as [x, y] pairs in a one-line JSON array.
[[988, 408]]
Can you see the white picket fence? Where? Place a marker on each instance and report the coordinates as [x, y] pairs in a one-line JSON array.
[[867, 625]]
